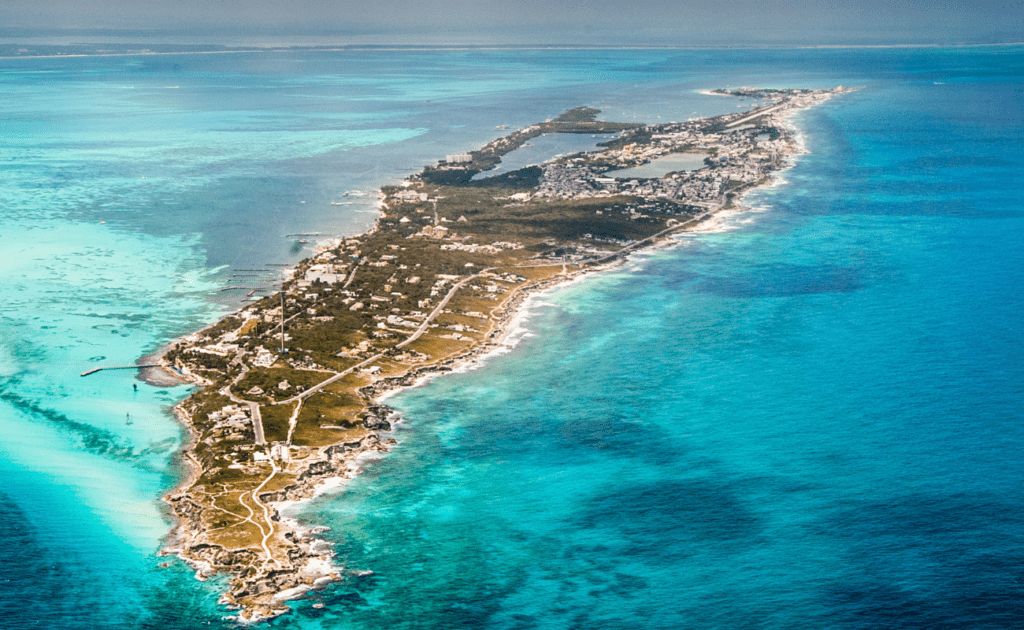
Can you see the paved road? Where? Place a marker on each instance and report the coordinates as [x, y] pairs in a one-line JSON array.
[[416, 335], [437, 311], [632, 246], [312, 390], [257, 422], [755, 115], [254, 408]]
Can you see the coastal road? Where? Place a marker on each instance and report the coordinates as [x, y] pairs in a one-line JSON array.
[[628, 248], [632, 246]]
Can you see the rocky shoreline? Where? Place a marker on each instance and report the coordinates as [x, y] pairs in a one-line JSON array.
[[338, 462]]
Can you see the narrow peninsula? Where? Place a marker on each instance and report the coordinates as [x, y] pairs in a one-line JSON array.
[[291, 385]]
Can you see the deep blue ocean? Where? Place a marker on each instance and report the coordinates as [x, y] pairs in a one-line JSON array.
[[810, 416]]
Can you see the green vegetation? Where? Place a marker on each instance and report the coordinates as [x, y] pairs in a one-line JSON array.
[[277, 383]]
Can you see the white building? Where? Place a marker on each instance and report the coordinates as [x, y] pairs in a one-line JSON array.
[[280, 452], [323, 273], [264, 357]]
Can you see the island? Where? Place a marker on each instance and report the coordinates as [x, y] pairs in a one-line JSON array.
[[291, 386]]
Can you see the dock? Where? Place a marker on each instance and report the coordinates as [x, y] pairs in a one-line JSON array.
[[120, 367]]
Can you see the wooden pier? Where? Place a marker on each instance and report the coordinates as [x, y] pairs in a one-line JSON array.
[[120, 367]]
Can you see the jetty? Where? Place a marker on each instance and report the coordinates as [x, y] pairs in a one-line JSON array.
[[119, 367]]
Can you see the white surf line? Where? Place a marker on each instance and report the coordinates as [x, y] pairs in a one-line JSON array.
[[437, 311], [678, 226]]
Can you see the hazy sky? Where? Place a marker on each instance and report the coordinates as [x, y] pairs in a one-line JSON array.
[[678, 22]]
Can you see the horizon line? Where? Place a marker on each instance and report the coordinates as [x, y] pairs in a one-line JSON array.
[[256, 48]]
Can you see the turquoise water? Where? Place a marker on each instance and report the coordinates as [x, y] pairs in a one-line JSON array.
[[810, 417]]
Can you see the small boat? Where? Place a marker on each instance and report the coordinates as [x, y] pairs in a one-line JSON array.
[[127, 418]]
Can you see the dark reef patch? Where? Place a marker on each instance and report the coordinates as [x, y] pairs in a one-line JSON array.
[[783, 280], [97, 441], [665, 521], [950, 561]]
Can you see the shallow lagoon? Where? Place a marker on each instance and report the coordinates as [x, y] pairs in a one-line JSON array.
[[544, 148], [662, 166]]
